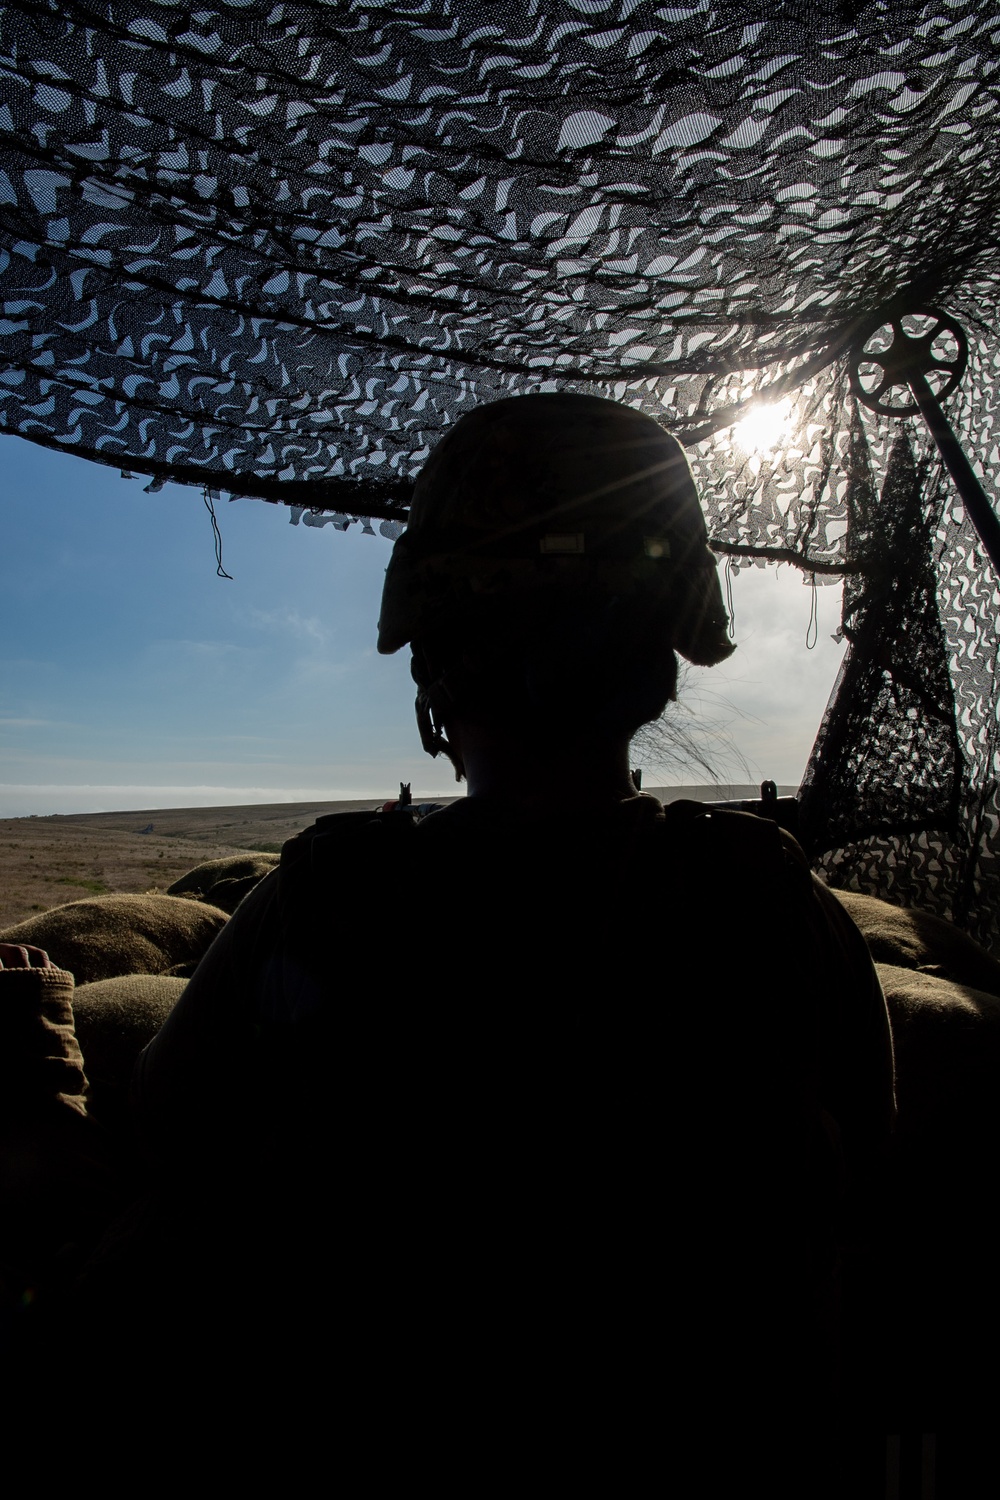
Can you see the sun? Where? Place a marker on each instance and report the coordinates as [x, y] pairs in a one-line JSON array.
[[765, 427]]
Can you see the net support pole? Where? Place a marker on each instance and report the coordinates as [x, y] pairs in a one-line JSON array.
[[977, 502]]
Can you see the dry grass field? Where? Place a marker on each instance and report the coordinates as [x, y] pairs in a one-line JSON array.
[[46, 862]]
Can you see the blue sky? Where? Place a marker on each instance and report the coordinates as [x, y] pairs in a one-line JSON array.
[[131, 676]]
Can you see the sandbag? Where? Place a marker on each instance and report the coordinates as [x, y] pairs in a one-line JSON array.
[[224, 882], [104, 936], [115, 1018], [914, 939], [922, 1299], [946, 1040]]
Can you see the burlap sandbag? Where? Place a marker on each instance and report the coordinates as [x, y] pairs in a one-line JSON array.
[[923, 1306], [914, 939], [115, 1018], [946, 1040], [109, 935], [224, 882]]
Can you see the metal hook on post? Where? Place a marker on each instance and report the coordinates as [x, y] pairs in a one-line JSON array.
[[897, 359]]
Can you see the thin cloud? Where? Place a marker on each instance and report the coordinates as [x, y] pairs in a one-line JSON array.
[[306, 627], [202, 648], [34, 724]]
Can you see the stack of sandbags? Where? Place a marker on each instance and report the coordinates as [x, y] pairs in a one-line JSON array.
[[942, 991], [224, 882], [927, 1303], [118, 948], [912, 939]]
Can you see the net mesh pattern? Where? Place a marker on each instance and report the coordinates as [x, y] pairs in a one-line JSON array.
[[277, 252]]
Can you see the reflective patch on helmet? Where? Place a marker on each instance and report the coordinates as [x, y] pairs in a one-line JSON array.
[[569, 541], [656, 546]]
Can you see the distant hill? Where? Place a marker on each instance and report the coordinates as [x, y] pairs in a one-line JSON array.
[[255, 825]]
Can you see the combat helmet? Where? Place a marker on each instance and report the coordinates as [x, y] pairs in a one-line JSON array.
[[563, 494]]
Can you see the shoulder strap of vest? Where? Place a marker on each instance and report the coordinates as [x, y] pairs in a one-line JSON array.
[[342, 827], [339, 844], [741, 843]]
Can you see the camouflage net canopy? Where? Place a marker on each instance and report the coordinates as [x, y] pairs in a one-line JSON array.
[[275, 252]]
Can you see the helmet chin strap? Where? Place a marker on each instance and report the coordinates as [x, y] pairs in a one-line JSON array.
[[432, 736], [431, 728]]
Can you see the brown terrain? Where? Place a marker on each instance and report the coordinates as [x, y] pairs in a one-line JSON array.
[[46, 862]]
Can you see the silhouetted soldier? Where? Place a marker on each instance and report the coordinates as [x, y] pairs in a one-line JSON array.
[[549, 1097]]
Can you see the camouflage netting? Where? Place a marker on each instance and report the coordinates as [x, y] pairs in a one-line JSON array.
[[276, 252]]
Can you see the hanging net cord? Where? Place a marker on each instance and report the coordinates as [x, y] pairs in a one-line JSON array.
[[210, 498]]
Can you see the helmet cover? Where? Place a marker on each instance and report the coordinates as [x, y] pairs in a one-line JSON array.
[[557, 492]]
